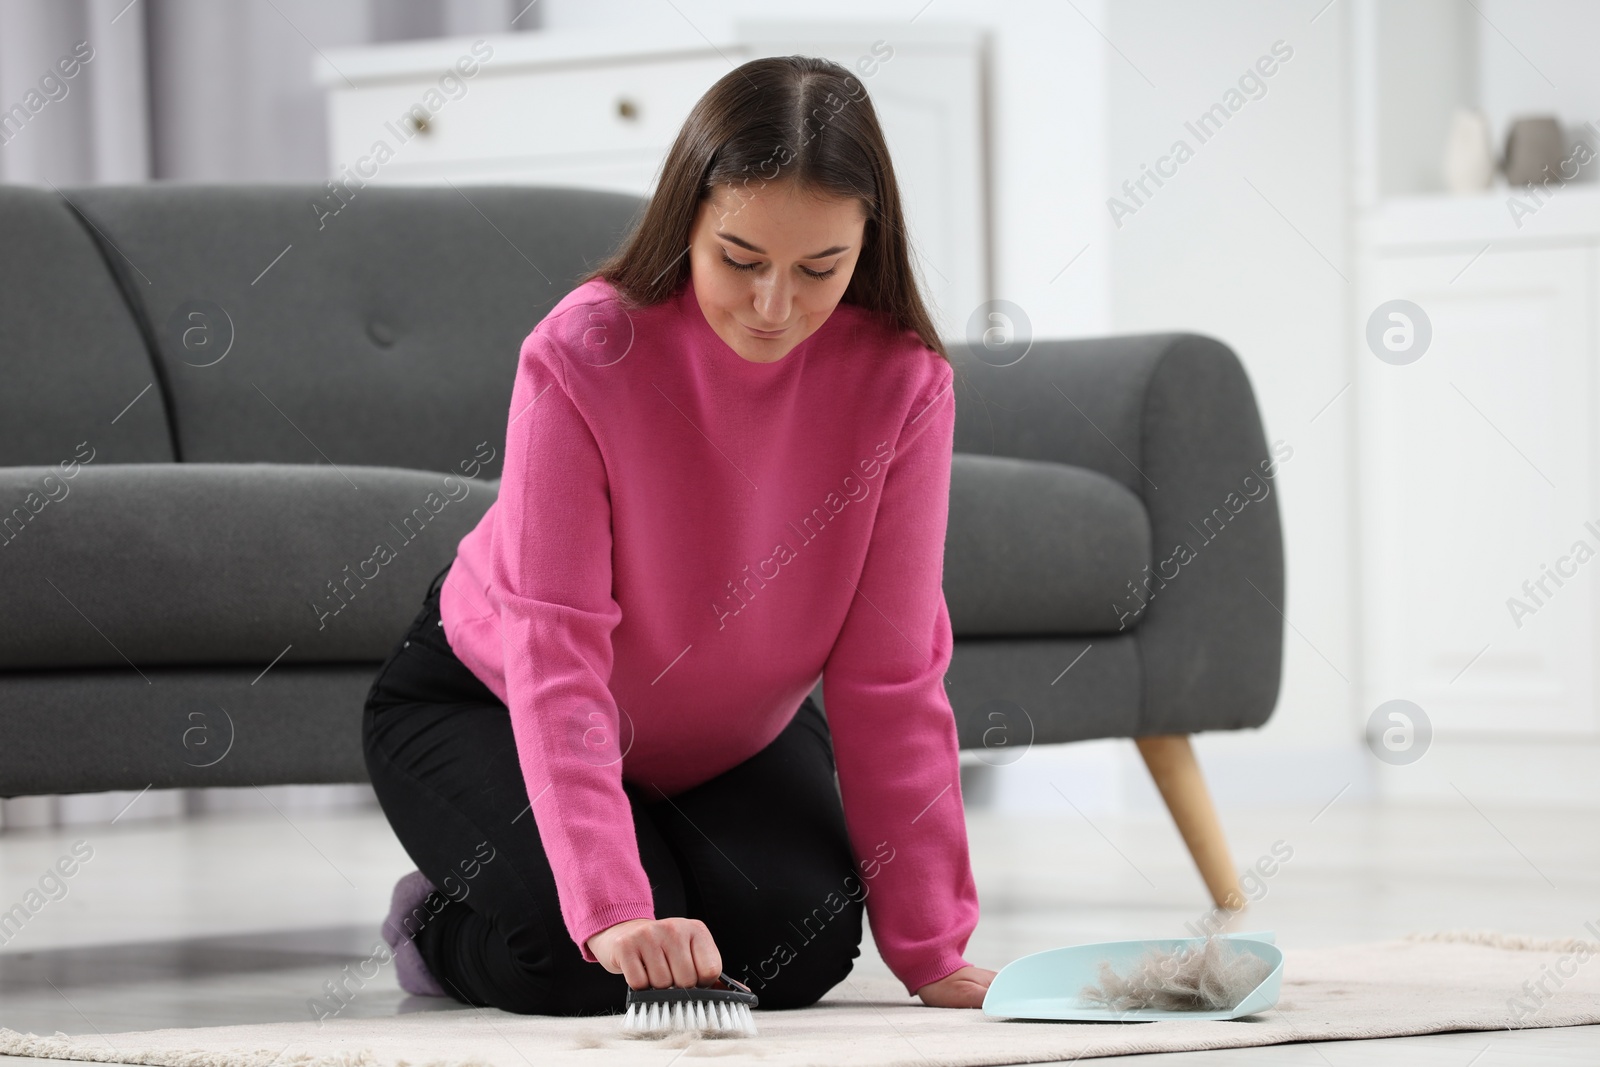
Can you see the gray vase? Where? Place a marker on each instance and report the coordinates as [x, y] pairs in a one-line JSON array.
[[1534, 151]]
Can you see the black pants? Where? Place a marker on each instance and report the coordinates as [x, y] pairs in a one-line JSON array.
[[759, 853]]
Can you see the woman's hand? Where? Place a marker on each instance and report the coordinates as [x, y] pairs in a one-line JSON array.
[[964, 988], [658, 953]]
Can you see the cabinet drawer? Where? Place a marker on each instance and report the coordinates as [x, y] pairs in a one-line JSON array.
[[528, 113]]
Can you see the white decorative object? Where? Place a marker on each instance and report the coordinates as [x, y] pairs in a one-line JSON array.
[[1468, 159]]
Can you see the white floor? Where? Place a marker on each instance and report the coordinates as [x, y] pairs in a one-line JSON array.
[[231, 918]]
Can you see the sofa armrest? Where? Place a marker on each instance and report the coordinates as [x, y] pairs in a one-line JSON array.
[[1173, 417]]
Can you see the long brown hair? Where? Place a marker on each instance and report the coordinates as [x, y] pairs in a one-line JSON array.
[[796, 119]]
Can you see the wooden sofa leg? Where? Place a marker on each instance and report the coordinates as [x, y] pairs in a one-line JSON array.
[[1170, 758]]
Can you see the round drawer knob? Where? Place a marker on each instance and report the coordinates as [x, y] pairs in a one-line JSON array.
[[627, 109]]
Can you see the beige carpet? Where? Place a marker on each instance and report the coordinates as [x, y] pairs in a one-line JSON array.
[[1422, 984]]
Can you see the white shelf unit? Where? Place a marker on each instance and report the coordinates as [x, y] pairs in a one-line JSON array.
[[1477, 463], [1478, 470]]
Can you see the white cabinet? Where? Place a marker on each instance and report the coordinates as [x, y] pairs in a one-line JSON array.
[[577, 108], [1478, 464], [602, 127]]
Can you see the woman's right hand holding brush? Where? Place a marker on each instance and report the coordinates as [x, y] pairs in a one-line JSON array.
[[659, 953]]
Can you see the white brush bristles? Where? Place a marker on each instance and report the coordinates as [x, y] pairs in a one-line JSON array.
[[713, 1018]]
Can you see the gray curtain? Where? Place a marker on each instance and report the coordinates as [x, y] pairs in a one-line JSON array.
[[190, 90]]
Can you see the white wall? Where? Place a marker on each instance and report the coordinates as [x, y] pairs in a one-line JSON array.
[[1424, 68], [1248, 242]]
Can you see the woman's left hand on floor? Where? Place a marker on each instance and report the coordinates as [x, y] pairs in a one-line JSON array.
[[964, 988]]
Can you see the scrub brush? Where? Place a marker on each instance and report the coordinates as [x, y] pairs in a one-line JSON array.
[[707, 1012]]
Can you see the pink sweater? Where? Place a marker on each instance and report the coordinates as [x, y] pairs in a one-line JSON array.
[[684, 540]]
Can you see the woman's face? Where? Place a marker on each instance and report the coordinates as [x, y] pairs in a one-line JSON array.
[[772, 259]]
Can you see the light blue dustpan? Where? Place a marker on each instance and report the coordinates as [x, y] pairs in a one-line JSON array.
[[1045, 985]]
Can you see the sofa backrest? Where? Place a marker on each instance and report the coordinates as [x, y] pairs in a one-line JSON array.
[[76, 378], [287, 326]]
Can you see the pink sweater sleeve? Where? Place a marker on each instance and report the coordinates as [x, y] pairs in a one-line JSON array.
[[550, 578], [894, 734]]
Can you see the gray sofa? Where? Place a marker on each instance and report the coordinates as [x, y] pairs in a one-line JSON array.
[[221, 403]]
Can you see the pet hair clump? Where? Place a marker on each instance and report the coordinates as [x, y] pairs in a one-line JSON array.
[[1212, 976]]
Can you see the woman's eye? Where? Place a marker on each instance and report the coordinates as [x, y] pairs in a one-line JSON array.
[[819, 275]]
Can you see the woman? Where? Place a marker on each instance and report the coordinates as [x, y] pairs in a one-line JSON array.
[[727, 473]]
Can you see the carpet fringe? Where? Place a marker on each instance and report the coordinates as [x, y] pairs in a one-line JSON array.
[[1513, 942]]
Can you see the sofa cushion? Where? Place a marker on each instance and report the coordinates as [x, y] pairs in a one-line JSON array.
[[76, 381], [383, 334], [1040, 548], [210, 563], [136, 565]]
